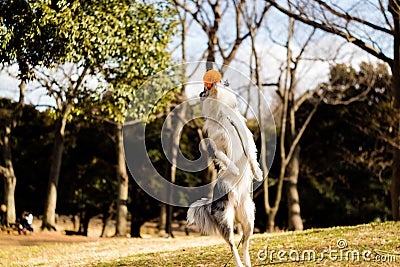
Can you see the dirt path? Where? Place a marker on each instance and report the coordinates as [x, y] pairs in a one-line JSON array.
[[57, 249]]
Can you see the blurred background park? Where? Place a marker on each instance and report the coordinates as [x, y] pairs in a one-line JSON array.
[[71, 71]]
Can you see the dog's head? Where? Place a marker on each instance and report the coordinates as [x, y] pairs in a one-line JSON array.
[[210, 79]]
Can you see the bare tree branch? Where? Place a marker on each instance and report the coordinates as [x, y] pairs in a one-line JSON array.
[[300, 133], [194, 14], [349, 17], [322, 26], [4, 171], [299, 101]]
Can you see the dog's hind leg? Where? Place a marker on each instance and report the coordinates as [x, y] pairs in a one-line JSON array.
[[246, 218], [224, 214], [225, 221]]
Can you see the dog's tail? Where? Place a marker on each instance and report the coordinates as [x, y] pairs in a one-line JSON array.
[[199, 214]]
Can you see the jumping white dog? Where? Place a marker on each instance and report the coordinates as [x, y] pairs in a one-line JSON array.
[[235, 153]]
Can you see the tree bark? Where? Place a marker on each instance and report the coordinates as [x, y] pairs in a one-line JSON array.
[[168, 225], [49, 218], [212, 37], [169, 173], [107, 216], [86, 220], [9, 193], [105, 221], [123, 182], [10, 179], [176, 125], [295, 221], [135, 227], [293, 167], [394, 8], [271, 212], [163, 220]]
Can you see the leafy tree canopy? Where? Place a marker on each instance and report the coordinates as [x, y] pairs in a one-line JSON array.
[[30, 34]]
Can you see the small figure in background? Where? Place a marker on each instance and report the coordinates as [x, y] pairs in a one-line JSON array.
[[29, 221], [26, 223]]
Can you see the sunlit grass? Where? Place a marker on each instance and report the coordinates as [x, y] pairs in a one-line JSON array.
[[382, 240]]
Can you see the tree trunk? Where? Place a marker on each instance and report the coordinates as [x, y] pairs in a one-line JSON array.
[[394, 8], [168, 225], [84, 218], [49, 218], [105, 220], [123, 188], [271, 211], [212, 40], [10, 180], [163, 220], [135, 208], [9, 194], [135, 227], [168, 175], [271, 214], [107, 216], [295, 221], [176, 125], [76, 221], [86, 221]]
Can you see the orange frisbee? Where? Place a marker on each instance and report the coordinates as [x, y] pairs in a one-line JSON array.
[[211, 77]]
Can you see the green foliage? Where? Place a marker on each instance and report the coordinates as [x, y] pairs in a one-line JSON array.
[[127, 50], [29, 35], [122, 43]]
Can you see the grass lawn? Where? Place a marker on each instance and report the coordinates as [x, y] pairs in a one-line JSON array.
[[375, 244]]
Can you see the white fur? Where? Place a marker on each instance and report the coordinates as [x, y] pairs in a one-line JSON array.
[[236, 154], [227, 128], [200, 215]]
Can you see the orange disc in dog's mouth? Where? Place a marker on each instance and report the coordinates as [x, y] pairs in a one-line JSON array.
[[211, 77]]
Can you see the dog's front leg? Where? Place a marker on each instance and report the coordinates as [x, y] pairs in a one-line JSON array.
[[255, 169], [229, 164], [226, 162]]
